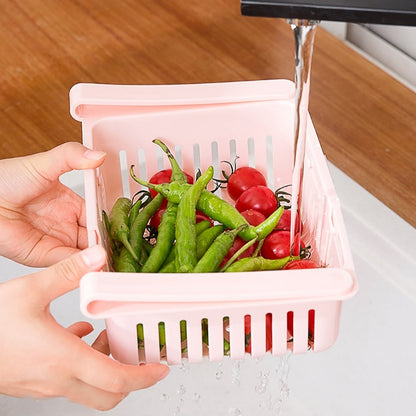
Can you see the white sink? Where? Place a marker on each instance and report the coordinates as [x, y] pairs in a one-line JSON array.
[[371, 369]]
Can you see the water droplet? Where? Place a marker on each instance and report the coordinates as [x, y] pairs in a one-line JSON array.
[[164, 397], [285, 390], [196, 397], [233, 411], [261, 388], [181, 390], [184, 366], [235, 373], [218, 375]]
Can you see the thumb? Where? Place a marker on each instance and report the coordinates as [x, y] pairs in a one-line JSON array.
[[65, 158], [64, 276]]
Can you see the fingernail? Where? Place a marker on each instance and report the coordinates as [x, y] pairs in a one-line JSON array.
[[93, 256], [94, 154]]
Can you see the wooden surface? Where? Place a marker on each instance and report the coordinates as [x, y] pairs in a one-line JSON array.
[[366, 121]]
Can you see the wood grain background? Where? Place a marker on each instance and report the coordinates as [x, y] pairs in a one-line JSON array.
[[366, 120]]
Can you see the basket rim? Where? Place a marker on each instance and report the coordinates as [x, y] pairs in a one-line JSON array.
[[107, 294]]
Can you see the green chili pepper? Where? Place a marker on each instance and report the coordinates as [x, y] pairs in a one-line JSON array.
[[185, 231], [177, 172], [168, 267], [148, 247], [203, 240], [106, 221], [238, 253], [134, 211], [215, 254], [267, 226], [124, 262], [139, 224], [119, 229], [252, 264], [216, 208], [206, 238], [165, 238], [200, 227]]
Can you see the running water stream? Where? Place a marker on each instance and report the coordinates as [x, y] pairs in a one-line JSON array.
[[304, 33]]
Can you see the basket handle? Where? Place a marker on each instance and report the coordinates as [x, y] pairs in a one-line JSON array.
[[107, 294], [90, 101]]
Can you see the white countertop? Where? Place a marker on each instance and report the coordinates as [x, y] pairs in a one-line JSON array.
[[371, 369]]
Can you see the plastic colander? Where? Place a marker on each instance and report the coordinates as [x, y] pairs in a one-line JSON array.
[[205, 124]]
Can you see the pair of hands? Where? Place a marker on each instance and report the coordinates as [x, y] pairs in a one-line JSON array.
[[42, 224]]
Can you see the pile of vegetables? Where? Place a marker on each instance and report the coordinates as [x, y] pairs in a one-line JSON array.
[[181, 226]]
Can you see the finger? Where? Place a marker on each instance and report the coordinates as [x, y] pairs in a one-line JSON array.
[[101, 343], [103, 372], [90, 396], [64, 158], [82, 240], [55, 254], [64, 276], [80, 329], [82, 216]]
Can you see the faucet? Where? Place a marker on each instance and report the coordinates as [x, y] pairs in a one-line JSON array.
[[387, 12]]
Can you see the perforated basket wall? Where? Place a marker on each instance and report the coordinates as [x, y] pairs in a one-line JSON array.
[[206, 124]]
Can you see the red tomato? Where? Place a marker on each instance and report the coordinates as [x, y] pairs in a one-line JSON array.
[[301, 264], [253, 217], [277, 245], [284, 222], [157, 216], [260, 198], [242, 179], [163, 176]]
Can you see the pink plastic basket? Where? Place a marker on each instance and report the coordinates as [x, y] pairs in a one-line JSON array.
[[206, 124]]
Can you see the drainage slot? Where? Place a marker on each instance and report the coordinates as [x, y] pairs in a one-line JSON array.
[[226, 334], [289, 325], [247, 333], [269, 332], [311, 328], [162, 340], [184, 337], [205, 336], [140, 342]]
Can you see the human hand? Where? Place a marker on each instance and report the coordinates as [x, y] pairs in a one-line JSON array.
[[39, 358], [41, 220]]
